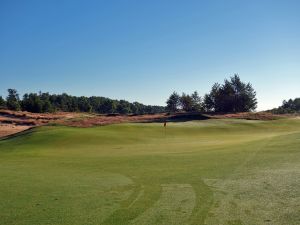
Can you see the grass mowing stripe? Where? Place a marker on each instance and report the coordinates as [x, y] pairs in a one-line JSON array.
[[236, 172], [175, 206]]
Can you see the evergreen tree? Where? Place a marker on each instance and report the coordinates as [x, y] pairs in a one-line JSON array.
[[123, 107], [232, 96], [173, 102], [32, 103], [84, 104], [211, 100], [186, 102], [2, 103], [12, 100], [45, 102], [197, 102], [290, 106]]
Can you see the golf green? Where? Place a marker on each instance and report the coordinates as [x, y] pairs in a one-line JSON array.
[[213, 172]]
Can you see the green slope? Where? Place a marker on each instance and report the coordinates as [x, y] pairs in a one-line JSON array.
[[210, 172]]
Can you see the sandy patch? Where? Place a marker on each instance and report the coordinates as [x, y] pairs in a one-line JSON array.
[[9, 129]]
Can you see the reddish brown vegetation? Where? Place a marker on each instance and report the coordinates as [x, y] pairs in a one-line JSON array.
[[99, 120], [249, 116], [31, 119], [12, 122]]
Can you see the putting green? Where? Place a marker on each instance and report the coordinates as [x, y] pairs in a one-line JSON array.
[[210, 172]]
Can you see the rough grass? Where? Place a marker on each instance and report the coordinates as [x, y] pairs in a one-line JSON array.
[[207, 172]]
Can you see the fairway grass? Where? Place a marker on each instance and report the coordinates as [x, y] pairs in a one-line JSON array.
[[210, 172]]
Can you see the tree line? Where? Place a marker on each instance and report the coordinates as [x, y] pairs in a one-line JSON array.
[[45, 102], [232, 96], [288, 106]]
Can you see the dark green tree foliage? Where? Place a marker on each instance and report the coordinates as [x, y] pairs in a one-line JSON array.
[[210, 100], [232, 96], [123, 107], [196, 102], [290, 106], [37, 103], [84, 104], [186, 102], [45, 102], [2, 103], [173, 102], [108, 106], [32, 103], [13, 100]]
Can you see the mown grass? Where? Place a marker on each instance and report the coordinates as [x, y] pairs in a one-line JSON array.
[[201, 172]]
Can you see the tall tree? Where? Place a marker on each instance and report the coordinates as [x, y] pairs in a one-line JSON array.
[[123, 107], [186, 102], [32, 103], [290, 106], [173, 102], [211, 100], [233, 96], [2, 103], [46, 104], [197, 102], [108, 106], [13, 100], [84, 104]]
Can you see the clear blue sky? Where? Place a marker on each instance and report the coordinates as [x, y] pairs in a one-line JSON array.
[[143, 50]]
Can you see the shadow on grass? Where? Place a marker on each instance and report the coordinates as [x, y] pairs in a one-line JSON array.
[[179, 117]]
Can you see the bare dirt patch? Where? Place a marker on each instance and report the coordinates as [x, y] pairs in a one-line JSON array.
[[12, 122], [9, 129]]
